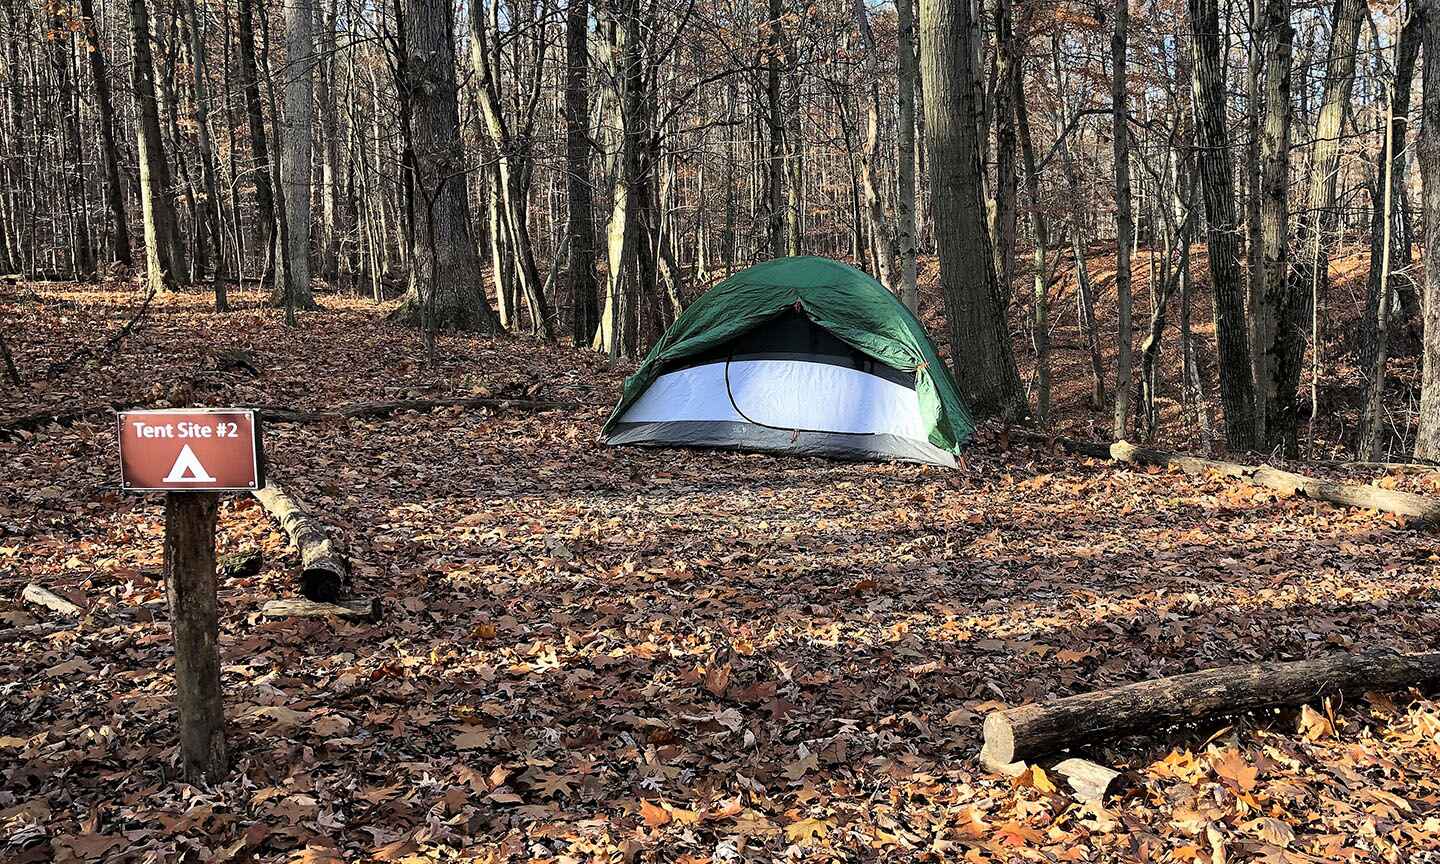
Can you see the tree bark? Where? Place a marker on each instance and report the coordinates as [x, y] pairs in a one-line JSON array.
[[446, 266], [979, 335], [580, 218], [1124, 218], [1274, 275], [205, 142], [1029, 731], [1237, 391], [905, 239], [776, 163], [1427, 434]]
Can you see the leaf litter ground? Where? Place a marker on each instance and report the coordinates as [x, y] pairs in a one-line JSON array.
[[593, 654]]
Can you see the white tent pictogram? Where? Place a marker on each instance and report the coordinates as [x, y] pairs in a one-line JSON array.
[[187, 469]]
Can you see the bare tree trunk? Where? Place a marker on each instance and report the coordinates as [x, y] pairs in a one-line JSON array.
[[905, 239], [260, 173], [979, 335], [1427, 433], [1274, 274], [1237, 391], [213, 215], [109, 151], [445, 290], [1376, 325], [580, 218], [295, 163], [1040, 322], [159, 213], [1124, 219], [874, 204], [1008, 56], [327, 97], [1406, 52], [776, 198], [82, 256]]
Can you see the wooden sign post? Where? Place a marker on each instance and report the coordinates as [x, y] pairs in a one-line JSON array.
[[193, 455]]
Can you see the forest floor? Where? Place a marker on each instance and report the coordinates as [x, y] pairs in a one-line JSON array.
[[592, 654]]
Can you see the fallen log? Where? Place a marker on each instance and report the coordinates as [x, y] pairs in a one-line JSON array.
[[363, 609], [41, 596], [1029, 731], [324, 566], [1350, 494]]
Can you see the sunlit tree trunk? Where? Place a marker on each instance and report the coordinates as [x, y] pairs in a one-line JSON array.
[[1310, 277], [159, 214]]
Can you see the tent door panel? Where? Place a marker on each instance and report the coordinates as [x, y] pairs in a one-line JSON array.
[[822, 397]]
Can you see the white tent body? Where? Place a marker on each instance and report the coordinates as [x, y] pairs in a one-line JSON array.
[[791, 387]]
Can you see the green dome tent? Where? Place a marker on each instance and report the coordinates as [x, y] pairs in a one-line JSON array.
[[796, 355]]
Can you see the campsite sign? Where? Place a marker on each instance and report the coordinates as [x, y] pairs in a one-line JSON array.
[[190, 449], [192, 455]]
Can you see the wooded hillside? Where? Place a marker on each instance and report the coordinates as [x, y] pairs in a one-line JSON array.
[[583, 172]]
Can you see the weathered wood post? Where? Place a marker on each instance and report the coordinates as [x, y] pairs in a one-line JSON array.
[[195, 629]]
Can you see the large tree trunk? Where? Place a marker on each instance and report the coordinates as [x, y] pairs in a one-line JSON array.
[[1124, 219], [580, 219], [295, 163], [979, 336], [1427, 434], [619, 322], [109, 151], [1274, 145], [1237, 391], [446, 279], [260, 150], [159, 214], [1309, 277]]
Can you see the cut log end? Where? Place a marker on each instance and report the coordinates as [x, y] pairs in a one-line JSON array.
[[999, 749]]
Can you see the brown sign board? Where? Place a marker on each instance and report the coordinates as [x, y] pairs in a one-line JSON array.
[[194, 449]]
